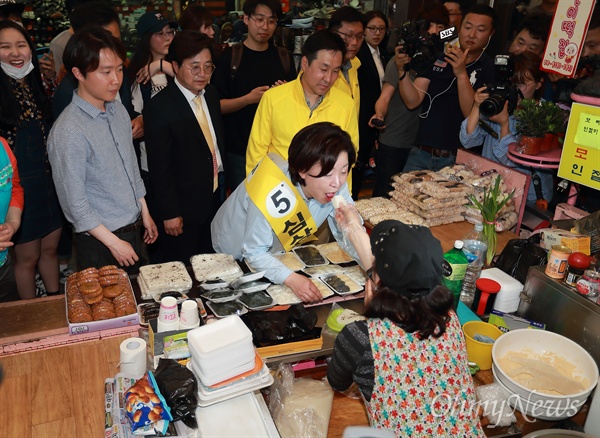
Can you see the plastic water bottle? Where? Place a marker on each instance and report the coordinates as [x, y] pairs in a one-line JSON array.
[[455, 265], [475, 249]]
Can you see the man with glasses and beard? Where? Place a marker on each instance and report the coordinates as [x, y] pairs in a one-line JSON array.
[[185, 147]]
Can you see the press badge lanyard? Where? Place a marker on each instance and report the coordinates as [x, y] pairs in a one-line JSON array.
[[281, 204]]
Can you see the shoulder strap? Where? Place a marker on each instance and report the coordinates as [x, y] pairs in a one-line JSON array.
[[284, 56], [236, 58]]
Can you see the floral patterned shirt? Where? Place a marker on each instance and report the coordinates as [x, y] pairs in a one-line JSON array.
[[417, 388]]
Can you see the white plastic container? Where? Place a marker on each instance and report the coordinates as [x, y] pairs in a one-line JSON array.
[[226, 334], [507, 300]]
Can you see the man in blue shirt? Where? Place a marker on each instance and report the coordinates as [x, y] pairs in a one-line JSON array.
[[93, 161]]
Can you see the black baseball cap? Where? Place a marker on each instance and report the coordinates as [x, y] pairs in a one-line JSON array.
[[153, 22], [408, 259]]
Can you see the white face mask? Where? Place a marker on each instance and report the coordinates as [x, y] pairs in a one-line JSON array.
[[17, 73]]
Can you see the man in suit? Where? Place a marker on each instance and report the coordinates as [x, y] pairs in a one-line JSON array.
[[370, 77], [185, 146]]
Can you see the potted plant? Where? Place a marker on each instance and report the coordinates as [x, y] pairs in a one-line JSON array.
[[556, 124], [531, 125]]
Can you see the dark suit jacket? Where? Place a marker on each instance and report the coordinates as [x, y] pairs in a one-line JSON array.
[[368, 78], [179, 159]]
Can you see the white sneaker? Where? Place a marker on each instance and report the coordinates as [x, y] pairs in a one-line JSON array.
[[40, 289], [64, 274]]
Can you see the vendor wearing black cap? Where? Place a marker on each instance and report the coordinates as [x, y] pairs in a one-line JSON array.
[[408, 357]]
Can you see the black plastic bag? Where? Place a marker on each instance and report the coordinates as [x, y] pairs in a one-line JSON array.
[[279, 327], [519, 255], [179, 388]]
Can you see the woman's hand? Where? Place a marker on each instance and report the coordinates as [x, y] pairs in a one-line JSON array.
[[304, 288], [502, 117], [480, 96], [47, 66], [6, 232]]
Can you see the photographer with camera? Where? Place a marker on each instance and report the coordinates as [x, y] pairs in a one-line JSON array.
[[450, 88], [494, 106]]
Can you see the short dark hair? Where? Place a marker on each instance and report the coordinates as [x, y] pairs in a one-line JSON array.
[[70, 5], [96, 13], [435, 13], [83, 49], [194, 17], [274, 5], [319, 143], [462, 4], [368, 16], [187, 44], [323, 40], [345, 14], [481, 9], [538, 26]]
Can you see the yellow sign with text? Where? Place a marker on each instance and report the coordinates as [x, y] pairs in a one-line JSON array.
[[580, 159]]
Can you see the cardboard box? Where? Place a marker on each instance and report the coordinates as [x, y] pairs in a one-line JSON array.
[[156, 340], [96, 326], [507, 322], [576, 242]]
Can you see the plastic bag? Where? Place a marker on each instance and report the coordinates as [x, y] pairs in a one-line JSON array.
[[300, 407], [146, 407], [179, 387], [519, 255], [495, 405], [291, 325]]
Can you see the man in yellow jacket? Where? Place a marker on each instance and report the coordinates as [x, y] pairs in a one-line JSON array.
[[310, 98]]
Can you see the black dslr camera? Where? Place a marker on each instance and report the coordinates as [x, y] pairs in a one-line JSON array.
[[503, 90], [419, 45]]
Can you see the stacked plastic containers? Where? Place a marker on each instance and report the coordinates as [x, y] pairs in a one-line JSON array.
[[507, 300], [224, 360]]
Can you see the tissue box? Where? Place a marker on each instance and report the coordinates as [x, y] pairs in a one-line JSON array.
[[506, 322], [576, 242], [156, 340]]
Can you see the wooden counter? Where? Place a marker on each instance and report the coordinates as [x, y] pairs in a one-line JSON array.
[[60, 391]]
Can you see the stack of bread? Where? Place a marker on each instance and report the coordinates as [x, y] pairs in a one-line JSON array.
[[430, 196], [99, 294], [441, 197], [163, 277], [376, 210]]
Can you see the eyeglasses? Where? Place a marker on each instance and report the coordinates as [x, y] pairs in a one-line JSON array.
[[347, 38], [206, 68], [165, 35], [376, 29], [260, 20]]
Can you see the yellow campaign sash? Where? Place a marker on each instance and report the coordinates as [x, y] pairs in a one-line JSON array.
[[281, 204]]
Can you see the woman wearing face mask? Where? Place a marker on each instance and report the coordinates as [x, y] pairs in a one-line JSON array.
[[529, 80], [25, 122]]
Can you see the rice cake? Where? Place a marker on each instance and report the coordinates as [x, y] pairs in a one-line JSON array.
[[334, 253], [357, 274], [212, 266], [283, 295], [164, 277], [291, 260], [325, 291], [446, 189]]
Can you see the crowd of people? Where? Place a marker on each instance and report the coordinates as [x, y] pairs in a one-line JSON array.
[[189, 147], [129, 161]]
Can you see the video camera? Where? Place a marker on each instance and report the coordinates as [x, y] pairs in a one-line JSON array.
[[419, 45], [503, 90]]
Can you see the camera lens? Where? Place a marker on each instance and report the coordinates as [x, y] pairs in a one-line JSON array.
[[493, 105]]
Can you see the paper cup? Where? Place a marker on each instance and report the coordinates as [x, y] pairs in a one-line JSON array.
[[168, 313], [189, 317], [167, 327]]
